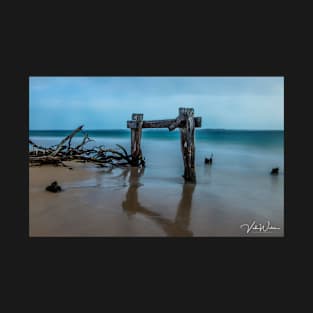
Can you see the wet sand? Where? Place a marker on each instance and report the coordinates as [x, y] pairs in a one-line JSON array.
[[130, 202]]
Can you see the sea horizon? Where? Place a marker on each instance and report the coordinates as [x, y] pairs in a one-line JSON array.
[[155, 129]]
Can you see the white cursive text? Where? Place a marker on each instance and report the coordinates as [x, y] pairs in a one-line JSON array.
[[258, 227]]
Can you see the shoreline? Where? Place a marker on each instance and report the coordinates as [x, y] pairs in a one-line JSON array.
[[129, 202]]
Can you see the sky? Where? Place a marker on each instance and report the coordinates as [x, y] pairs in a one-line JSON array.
[[108, 102]]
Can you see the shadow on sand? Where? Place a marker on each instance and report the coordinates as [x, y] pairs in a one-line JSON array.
[[131, 205]]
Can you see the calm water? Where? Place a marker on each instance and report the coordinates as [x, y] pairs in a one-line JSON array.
[[234, 149], [237, 187]]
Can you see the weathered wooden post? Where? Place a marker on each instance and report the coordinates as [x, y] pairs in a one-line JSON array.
[[136, 139], [187, 143]]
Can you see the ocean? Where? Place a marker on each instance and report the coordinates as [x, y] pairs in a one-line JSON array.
[[232, 149], [236, 188]]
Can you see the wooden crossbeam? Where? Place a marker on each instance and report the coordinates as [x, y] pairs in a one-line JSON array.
[[185, 121], [171, 124]]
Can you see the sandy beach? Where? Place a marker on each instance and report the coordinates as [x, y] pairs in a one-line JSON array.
[[97, 202], [131, 202]]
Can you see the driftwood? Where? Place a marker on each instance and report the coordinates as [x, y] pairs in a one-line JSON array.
[[85, 140], [98, 155], [45, 159], [60, 145], [36, 146]]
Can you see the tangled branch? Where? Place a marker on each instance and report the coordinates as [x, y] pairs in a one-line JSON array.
[[58, 153]]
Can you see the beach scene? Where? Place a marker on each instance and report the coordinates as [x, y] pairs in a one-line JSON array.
[[156, 157]]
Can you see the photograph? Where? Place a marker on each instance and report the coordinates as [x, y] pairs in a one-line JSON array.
[[156, 156]]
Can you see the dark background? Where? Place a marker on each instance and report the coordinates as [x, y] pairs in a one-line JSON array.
[[200, 43]]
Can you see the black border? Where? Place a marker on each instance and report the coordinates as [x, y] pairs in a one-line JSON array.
[[103, 63], [255, 40]]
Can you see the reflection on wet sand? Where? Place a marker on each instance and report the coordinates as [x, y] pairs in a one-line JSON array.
[[131, 205]]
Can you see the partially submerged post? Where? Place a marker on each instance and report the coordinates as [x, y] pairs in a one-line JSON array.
[[136, 139], [187, 138], [187, 124]]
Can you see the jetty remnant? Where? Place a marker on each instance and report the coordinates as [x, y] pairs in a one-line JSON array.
[[275, 171], [210, 160], [185, 121]]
